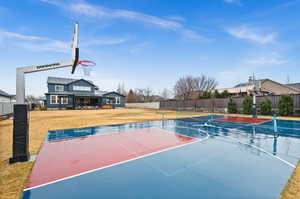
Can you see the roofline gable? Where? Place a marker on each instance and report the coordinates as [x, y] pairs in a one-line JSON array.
[[81, 80], [114, 93], [294, 89]]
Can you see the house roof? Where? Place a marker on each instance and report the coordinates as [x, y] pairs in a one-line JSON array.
[[65, 81], [100, 93], [248, 83], [294, 86], [113, 92], [5, 94]]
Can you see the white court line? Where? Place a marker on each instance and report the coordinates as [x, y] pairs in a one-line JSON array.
[[264, 122], [115, 164], [202, 139], [261, 149]]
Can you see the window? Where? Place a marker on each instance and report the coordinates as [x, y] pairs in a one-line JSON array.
[[82, 88], [110, 101], [59, 88], [117, 100], [53, 99], [86, 100], [64, 100]]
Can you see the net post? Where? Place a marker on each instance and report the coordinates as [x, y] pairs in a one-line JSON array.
[[275, 123]]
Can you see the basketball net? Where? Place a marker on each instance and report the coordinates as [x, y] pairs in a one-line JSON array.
[[87, 66]]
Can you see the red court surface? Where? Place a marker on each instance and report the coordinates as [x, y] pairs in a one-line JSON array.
[[62, 159], [244, 119]]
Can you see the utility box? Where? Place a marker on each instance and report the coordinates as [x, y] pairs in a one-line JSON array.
[[20, 134]]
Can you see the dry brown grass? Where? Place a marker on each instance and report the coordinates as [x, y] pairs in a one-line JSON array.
[[292, 189], [13, 177]]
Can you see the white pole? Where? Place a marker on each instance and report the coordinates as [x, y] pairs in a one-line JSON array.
[[20, 86]]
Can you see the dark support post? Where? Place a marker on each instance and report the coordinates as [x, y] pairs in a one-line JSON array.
[[20, 134]]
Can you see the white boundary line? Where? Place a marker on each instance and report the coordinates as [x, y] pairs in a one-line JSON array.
[[115, 164], [261, 149], [201, 139]]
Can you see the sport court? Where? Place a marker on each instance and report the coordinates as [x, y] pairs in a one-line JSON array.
[[199, 157]]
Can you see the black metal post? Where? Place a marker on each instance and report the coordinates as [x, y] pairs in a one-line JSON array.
[[20, 134]]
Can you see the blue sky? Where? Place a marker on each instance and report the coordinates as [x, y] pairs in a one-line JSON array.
[[151, 43]]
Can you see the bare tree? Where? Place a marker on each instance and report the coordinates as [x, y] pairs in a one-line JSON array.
[[130, 98], [165, 94], [148, 94], [121, 89], [186, 86]]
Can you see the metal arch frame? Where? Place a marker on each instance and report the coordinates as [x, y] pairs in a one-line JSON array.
[[21, 116], [21, 71]]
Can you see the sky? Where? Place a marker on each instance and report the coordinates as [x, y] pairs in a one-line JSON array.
[[151, 43]]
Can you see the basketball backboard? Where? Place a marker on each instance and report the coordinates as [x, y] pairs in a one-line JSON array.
[[75, 49]]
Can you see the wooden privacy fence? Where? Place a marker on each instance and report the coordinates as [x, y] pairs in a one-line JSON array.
[[6, 108], [220, 104]]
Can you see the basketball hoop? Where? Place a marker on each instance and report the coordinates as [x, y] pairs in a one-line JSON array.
[[87, 66]]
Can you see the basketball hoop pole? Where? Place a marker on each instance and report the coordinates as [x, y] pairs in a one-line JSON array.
[[21, 116]]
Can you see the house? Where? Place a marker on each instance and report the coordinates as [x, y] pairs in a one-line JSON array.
[[65, 93], [294, 85], [266, 87], [5, 97]]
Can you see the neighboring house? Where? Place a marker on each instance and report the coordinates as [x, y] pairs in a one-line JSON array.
[[294, 85], [5, 97], [266, 87], [65, 93]]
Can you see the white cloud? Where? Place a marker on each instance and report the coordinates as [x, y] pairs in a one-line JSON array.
[[244, 32], [84, 9], [176, 18], [271, 59], [13, 35], [192, 35], [46, 46], [33, 43], [90, 10]]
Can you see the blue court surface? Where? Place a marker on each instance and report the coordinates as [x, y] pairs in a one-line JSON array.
[[230, 160]]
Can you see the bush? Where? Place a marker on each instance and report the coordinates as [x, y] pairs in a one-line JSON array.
[[205, 95], [286, 105], [225, 94], [247, 105], [266, 107], [217, 94], [232, 108]]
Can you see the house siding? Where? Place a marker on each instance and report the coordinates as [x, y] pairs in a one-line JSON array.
[[81, 83], [122, 99], [4, 99]]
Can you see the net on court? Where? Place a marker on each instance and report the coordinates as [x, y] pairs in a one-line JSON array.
[[224, 121]]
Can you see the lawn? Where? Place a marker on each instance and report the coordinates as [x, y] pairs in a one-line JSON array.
[[13, 177]]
